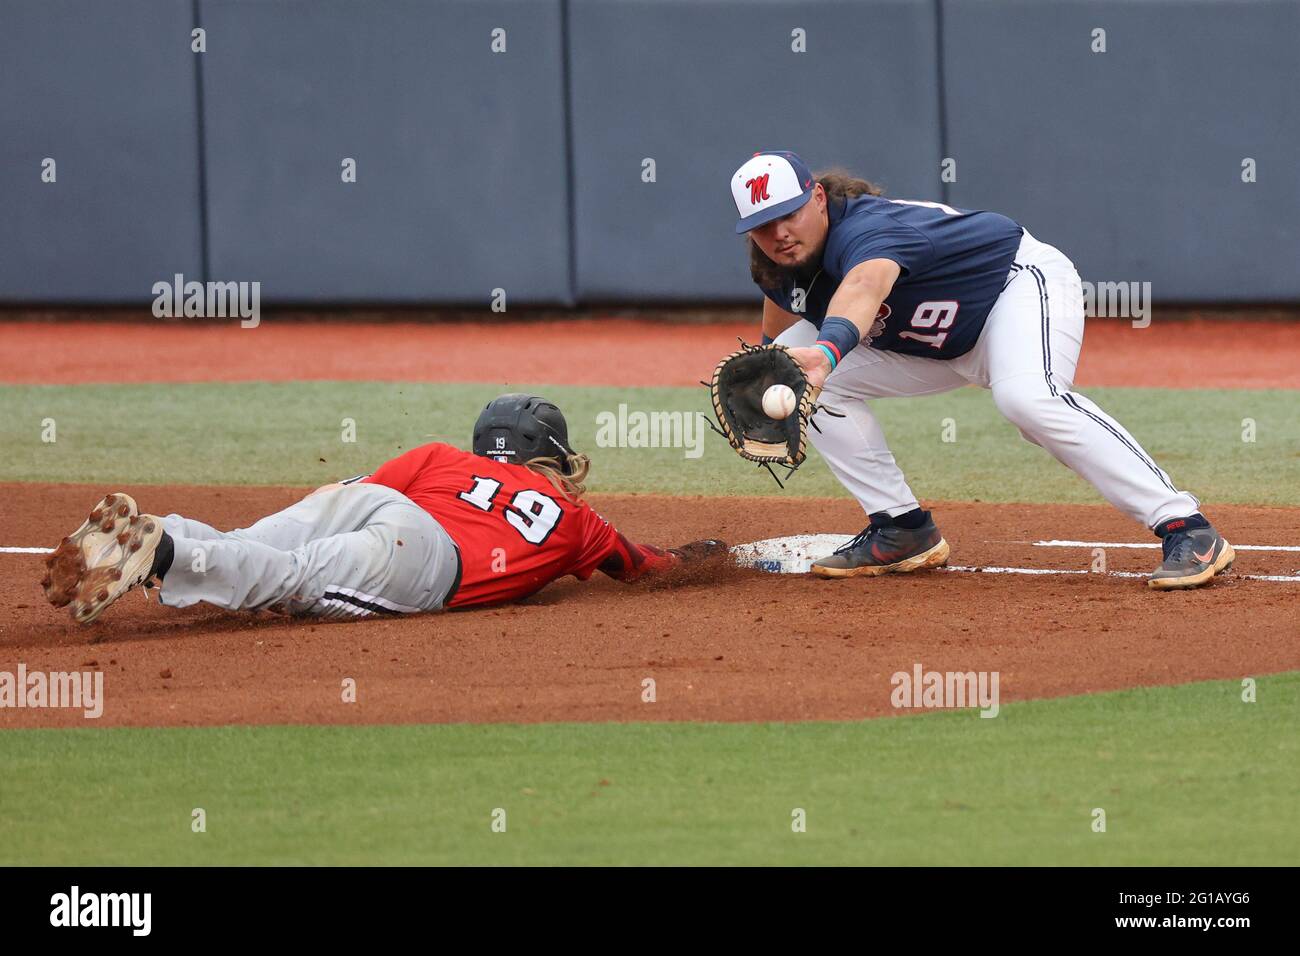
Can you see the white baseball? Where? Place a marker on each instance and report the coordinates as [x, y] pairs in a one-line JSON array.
[[778, 401]]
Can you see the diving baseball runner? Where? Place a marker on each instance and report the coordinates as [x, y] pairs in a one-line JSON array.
[[879, 297], [435, 527]]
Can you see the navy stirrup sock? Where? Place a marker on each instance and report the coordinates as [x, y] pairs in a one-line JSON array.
[[911, 520]]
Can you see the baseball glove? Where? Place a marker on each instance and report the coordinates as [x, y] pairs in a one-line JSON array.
[[737, 390]]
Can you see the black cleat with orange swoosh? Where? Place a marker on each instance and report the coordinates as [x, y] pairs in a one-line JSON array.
[[883, 548], [1194, 553]]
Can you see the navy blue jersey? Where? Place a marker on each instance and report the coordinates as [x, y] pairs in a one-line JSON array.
[[954, 265]]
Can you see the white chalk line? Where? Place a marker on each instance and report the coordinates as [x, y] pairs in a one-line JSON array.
[[1056, 543], [970, 569], [1110, 574]]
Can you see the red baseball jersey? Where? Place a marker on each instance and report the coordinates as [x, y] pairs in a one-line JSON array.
[[515, 531]]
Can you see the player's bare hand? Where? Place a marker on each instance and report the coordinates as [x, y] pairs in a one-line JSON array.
[[814, 363]]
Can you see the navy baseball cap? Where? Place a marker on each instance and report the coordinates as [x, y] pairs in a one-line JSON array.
[[771, 184]]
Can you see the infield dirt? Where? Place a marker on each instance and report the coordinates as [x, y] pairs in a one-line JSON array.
[[732, 646], [1193, 352]]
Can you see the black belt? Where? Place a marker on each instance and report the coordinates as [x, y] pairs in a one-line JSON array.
[[455, 582]]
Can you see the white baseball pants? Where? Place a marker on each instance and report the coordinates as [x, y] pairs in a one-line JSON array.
[[1026, 356]]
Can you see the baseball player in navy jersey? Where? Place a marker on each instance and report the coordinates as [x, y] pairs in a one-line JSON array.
[[879, 297]]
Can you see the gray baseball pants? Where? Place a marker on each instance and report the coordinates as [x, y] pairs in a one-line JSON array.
[[354, 551]]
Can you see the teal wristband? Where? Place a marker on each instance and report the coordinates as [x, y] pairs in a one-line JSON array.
[[830, 355]]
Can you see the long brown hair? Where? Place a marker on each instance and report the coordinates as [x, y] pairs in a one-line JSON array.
[[839, 185], [568, 476]]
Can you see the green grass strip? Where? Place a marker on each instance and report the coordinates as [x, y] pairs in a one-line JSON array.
[[1187, 775], [293, 433]]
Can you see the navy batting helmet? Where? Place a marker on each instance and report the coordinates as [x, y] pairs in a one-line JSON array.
[[517, 428]]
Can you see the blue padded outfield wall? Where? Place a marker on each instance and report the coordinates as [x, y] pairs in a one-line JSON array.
[[1131, 160], [588, 160], [106, 91], [460, 152], [698, 86]]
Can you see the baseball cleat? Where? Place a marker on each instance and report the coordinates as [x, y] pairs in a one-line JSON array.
[[107, 556], [65, 566], [1193, 555], [884, 548]]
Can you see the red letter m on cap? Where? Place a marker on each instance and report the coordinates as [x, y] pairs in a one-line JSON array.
[[757, 189]]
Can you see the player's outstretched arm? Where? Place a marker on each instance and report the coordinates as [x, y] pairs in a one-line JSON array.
[[629, 561], [849, 317]]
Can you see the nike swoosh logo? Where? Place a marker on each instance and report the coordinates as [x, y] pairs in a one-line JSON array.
[[1204, 558]]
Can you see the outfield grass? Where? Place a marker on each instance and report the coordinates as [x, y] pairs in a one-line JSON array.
[[1186, 775], [292, 434]]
